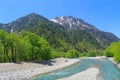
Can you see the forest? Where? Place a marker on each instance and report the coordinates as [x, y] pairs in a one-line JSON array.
[[27, 46], [24, 46], [113, 51]]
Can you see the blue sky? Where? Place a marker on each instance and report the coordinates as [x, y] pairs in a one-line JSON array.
[[104, 14]]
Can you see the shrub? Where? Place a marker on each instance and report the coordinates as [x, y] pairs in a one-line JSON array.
[[72, 54], [113, 50], [92, 53]]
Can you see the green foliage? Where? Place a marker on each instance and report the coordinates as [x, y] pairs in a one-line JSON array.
[[45, 50], [92, 53], [40, 48], [108, 53], [57, 54], [24, 46], [23, 50], [113, 50], [72, 54]]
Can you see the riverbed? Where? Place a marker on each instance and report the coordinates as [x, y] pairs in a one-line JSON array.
[[107, 70], [27, 70], [93, 68]]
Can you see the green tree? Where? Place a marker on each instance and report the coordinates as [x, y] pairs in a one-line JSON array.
[[113, 50], [40, 49], [45, 49], [72, 54], [23, 49], [3, 41], [1, 52], [108, 52], [24, 46], [92, 53]]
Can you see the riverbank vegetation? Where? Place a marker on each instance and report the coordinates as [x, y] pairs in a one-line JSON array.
[[27, 46], [24, 46], [113, 51]]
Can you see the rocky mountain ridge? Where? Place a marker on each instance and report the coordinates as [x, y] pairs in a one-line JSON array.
[[72, 23], [62, 27]]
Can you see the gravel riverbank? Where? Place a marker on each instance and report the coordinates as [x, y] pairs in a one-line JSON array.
[[25, 71], [112, 60]]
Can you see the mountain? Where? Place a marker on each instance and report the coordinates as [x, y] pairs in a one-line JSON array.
[[25, 22], [40, 25], [1, 26], [64, 33], [71, 23]]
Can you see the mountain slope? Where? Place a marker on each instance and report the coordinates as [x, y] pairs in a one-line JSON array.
[[71, 36], [38, 24], [71, 23], [1, 26], [57, 36], [25, 22]]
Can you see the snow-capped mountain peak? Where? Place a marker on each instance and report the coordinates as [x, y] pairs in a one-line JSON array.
[[70, 22]]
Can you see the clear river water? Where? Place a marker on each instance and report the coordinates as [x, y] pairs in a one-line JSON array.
[[108, 71]]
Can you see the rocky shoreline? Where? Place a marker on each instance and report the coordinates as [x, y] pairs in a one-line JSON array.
[[29, 70], [26, 71], [116, 63]]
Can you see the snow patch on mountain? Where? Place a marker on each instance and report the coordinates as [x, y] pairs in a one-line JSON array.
[[54, 20]]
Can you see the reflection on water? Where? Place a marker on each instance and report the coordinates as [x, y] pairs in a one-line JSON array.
[[107, 70]]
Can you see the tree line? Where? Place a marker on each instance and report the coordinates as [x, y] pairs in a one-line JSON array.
[[113, 51], [24, 46], [27, 46]]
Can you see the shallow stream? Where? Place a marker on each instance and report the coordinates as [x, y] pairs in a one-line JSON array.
[[108, 70]]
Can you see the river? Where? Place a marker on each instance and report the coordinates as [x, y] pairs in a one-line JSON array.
[[108, 71]]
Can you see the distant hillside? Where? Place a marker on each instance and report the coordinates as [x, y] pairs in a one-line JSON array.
[[1, 26], [39, 25], [70, 33], [71, 23]]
